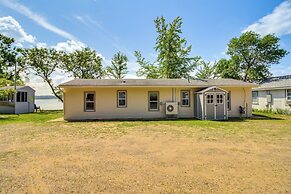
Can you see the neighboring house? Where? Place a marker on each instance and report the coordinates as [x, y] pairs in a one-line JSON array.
[[213, 99], [273, 94], [25, 96]]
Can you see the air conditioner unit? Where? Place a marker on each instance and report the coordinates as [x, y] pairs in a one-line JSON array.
[[171, 108]]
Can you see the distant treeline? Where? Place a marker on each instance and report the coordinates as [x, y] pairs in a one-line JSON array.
[[45, 97]]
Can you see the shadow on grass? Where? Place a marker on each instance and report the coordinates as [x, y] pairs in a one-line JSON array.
[[254, 117]]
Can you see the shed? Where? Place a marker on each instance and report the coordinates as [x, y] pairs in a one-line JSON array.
[[211, 104], [25, 99]]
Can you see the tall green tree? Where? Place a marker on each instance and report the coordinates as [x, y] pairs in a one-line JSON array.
[[83, 64], [9, 56], [206, 70], [173, 60], [118, 67], [251, 56], [148, 70], [44, 62]]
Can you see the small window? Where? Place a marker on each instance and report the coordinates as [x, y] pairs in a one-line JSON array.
[[219, 98], [209, 98], [288, 93], [21, 97], [229, 101], [121, 99], [255, 97], [153, 100], [185, 98], [89, 101]]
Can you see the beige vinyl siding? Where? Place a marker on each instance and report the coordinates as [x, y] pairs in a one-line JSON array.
[[137, 102]]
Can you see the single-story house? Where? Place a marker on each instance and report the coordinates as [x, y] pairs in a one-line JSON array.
[[272, 94], [213, 99], [25, 97]]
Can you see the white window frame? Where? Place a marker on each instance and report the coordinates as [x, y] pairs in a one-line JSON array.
[[119, 98], [85, 102], [182, 98], [156, 101], [256, 101], [288, 95]]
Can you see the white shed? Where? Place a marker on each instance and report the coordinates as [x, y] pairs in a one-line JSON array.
[[211, 104], [25, 99]]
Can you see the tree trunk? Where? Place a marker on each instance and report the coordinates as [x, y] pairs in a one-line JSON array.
[[54, 92]]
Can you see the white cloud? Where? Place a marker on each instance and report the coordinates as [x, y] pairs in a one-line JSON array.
[[22, 9], [69, 46], [278, 22], [10, 27]]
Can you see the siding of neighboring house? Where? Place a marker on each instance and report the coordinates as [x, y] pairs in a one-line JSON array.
[[278, 100], [6, 107], [25, 107], [137, 102], [20, 107]]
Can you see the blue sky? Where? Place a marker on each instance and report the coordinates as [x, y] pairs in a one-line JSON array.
[[109, 26]]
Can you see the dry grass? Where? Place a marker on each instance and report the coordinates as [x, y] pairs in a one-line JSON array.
[[239, 156]]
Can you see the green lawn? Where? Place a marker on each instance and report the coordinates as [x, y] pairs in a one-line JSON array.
[[41, 153]]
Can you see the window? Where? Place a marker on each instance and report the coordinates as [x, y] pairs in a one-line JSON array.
[[153, 100], [21, 97], [255, 97], [288, 93], [209, 98], [185, 98], [121, 99], [7, 98], [89, 101], [229, 101], [219, 98]]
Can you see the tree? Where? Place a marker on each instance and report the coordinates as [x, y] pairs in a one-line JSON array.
[[118, 67], [9, 55], [206, 70], [83, 64], [150, 71], [173, 59], [43, 62], [251, 57]]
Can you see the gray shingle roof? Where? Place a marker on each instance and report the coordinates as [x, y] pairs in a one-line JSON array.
[[156, 82], [17, 87], [276, 83]]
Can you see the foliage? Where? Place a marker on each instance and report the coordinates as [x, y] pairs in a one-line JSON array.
[[273, 111], [83, 64], [150, 71], [250, 57], [206, 70], [43, 62], [118, 69], [9, 55], [173, 60]]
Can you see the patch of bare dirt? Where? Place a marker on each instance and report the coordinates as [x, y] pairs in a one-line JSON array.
[[139, 162]]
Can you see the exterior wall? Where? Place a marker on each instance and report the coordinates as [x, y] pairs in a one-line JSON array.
[[240, 97], [6, 108], [26, 107], [137, 102], [278, 100]]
